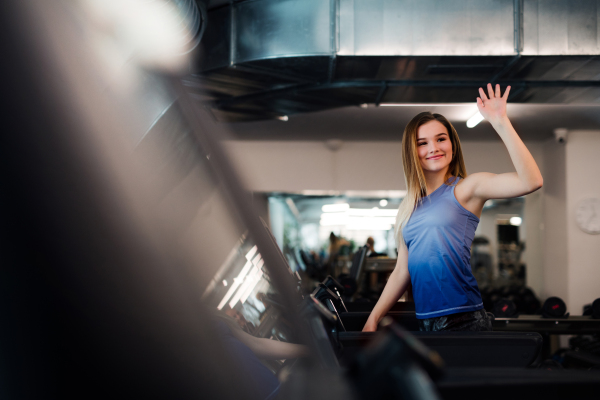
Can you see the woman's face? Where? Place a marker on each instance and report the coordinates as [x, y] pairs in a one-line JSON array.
[[433, 146]]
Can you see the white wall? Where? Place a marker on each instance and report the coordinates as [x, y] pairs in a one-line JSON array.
[[294, 166], [533, 230], [583, 181], [555, 242]]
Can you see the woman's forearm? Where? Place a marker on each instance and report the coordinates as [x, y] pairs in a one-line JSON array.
[[394, 289], [527, 170], [268, 348]]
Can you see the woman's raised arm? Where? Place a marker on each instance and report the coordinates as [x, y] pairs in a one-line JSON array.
[[527, 178]]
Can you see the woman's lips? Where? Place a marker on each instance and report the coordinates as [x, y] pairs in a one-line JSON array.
[[435, 157]]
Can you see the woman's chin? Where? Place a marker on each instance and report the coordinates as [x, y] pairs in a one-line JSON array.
[[434, 168]]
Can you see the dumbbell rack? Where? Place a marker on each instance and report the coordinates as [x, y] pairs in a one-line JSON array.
[[573, 325], [548, 327]]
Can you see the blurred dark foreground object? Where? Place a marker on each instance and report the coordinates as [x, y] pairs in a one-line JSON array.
[[396, 365], [96, 298]]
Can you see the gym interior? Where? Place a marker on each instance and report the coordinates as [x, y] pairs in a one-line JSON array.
[[201, 197]]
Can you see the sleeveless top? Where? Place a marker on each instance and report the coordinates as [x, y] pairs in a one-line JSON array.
[[438, 237]]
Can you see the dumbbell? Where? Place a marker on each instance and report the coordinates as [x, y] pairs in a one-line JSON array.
[[554, 307], [592, 309], [530, 304], [596, 309], [509, 293], [489, 295], [505, 308]]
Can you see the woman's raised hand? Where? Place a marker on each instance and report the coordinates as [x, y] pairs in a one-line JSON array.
[[493, 105]]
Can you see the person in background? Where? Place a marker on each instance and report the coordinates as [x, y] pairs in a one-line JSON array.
[[335, 245], [371, 248]]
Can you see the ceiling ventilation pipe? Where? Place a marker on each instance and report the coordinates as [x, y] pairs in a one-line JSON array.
[[267, 58]]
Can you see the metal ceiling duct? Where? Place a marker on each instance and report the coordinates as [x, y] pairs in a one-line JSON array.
[[152, 90], [267, 58]]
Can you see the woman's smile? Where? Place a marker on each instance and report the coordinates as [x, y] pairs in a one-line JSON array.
[[436, 157]]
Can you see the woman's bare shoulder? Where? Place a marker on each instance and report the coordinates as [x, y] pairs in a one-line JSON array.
[[466, 189], [466, 186]]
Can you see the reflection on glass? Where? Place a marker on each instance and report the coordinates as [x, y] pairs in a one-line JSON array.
[[231, 274], [251, 303]]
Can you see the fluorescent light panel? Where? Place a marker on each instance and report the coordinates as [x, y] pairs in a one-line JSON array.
[[229, 293], [368, 227], [516, 221], [366, 194], [425, 104], [335, 207], [237, 281], [370, 212], [474, 120], [251, 253], [251, 287], [356, 221], [247, 282]]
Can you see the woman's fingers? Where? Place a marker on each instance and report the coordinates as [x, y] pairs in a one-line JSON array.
[[482, 94], [493, 94], [490, 90]]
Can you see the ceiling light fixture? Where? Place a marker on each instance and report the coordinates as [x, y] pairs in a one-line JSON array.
[[251, 253], [237, 281], [474, 120], [516, 221], [368, 226], [425, 104], [283, 118], [372, 212], [335, 207]]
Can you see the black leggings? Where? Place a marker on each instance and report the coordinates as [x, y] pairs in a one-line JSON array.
[[467, 321]]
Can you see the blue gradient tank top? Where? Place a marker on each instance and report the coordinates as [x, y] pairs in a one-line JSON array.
[[438, 236]]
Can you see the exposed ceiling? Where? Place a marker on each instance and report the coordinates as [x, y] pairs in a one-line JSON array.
[[316, 62], [532, 122], [212, 4]]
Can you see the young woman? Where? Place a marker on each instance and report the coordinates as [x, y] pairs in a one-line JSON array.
[[437, 219]]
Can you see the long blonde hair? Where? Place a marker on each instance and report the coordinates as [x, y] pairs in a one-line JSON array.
[[413, 172]]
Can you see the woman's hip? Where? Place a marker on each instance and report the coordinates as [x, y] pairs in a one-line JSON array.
[[467, 321]]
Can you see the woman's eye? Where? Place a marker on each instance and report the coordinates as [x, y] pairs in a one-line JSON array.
[[441, 139], [421, 144]]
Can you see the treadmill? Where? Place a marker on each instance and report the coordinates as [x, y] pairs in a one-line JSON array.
[[458, 349]]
